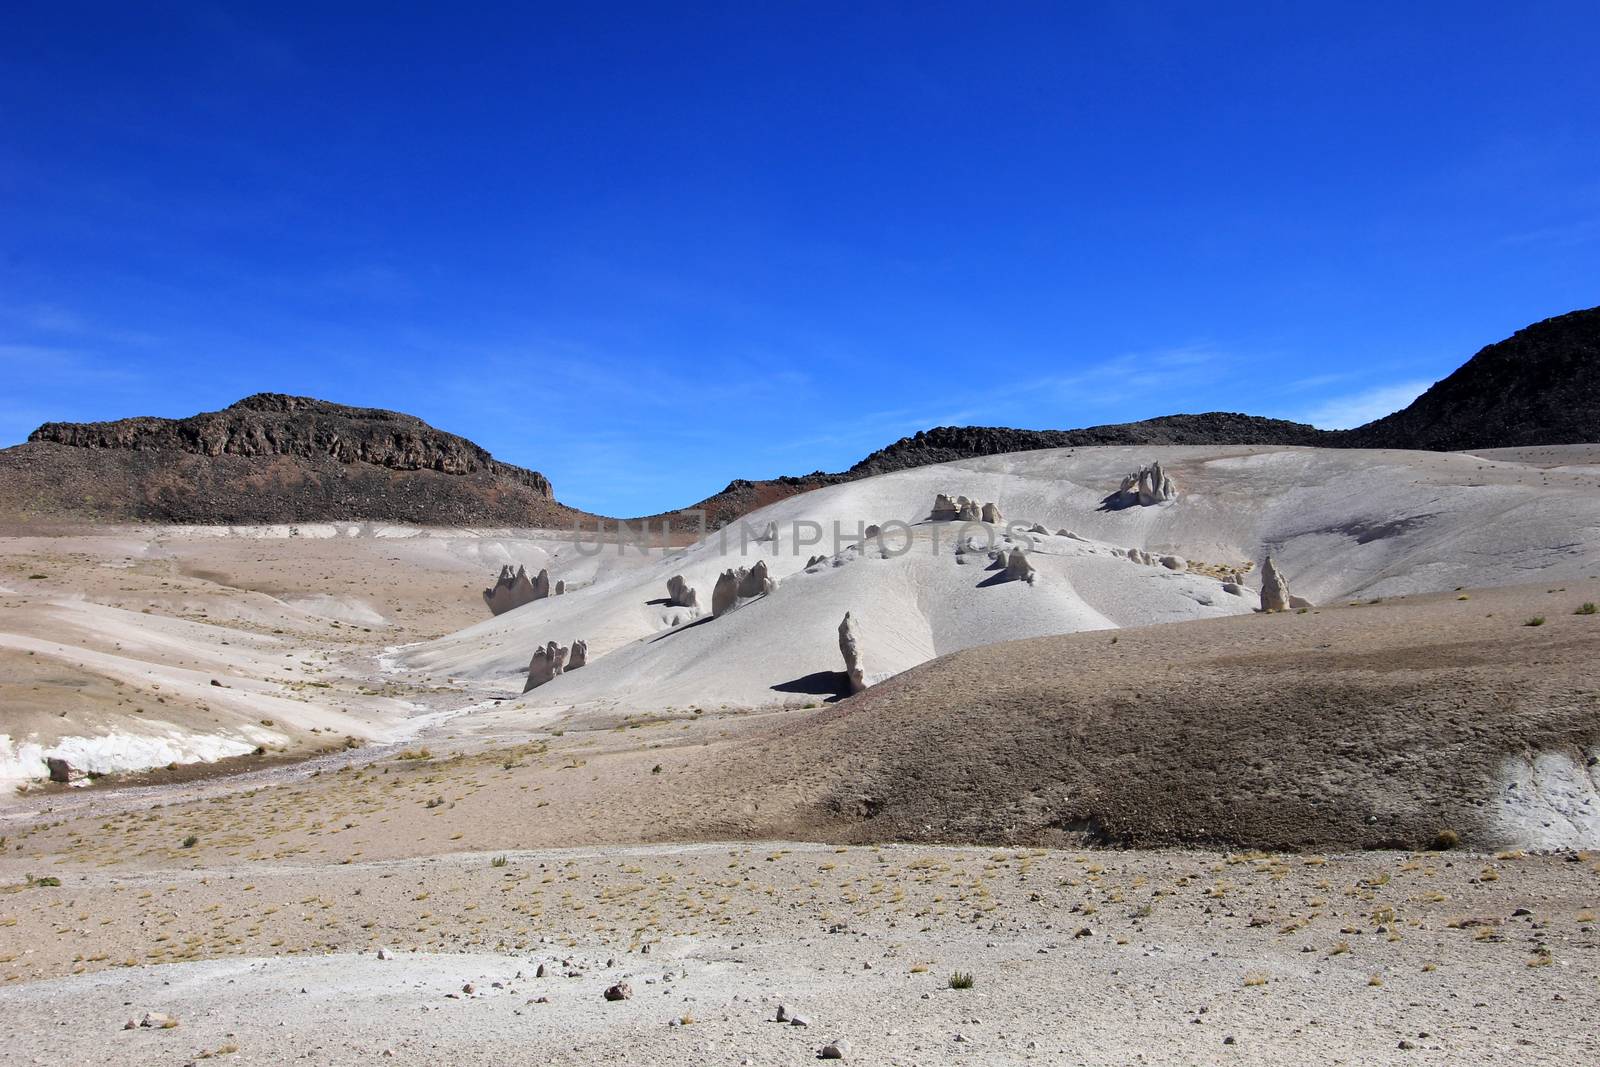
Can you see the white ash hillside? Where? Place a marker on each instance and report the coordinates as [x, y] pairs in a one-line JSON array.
[[1337, 524]]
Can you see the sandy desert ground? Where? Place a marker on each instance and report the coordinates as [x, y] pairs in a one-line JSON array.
[[679, 817]]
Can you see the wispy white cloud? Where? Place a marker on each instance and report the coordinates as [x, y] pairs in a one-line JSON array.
[[1353, 409]]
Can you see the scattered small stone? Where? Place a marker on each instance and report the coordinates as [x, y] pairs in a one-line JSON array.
[[783, 1013], [385, 954], [1405, 1045], [620, 991], [468, 989], [836, 1049], [799, 1020], [1228, 1040]]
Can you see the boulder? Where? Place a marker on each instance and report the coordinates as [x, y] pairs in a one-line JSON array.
[[61, 771], [560, 589], [967, 511], [1274, 588], [1298, 602], [680, 593], [620, 991], [1036, 528], [579, 656], [850, 649], [1233, 588], [1175, 563], [770, 533], [991, 513], [944, 509], [541, 585]]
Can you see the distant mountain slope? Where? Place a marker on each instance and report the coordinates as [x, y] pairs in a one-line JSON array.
[[1540, 386], [269, 458], [273, 458]]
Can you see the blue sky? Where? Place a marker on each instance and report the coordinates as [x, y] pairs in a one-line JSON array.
[[649, 248]]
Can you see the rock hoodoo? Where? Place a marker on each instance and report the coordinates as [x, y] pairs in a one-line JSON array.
[[510, 590], [552, 659], [960, 509], [680, 593], [1274, 588], [514, 589], [1146, 486], [850, 649], [740, 584], [1018, 567]]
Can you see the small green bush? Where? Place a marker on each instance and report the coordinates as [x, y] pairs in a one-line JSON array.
[[961, 980], [190, 841], [1588, 608], [1537, 620], [499, 861], [1444, 841]]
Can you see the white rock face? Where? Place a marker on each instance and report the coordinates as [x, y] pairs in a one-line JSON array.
[[850, 649], [1274, 588]]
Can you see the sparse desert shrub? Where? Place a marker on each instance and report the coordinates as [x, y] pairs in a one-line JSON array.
[[1537, 620], [961, 980], [1444, 841], [499, 861], [190, 841], [1587, 608], [48, 880]]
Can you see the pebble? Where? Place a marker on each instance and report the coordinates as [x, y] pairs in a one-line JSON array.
[[836, 1049], [783, 1014], [799, 1020], [385, 954], [620, 991]]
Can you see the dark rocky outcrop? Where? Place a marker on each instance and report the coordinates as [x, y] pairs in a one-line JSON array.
[[1540, 386], [270, 458]]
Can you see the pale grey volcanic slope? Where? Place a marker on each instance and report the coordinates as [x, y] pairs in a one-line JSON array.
[[1342, 524]]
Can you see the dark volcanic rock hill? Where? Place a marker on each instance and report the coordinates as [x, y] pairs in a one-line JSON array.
[[269, 458], [1540, 386]]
